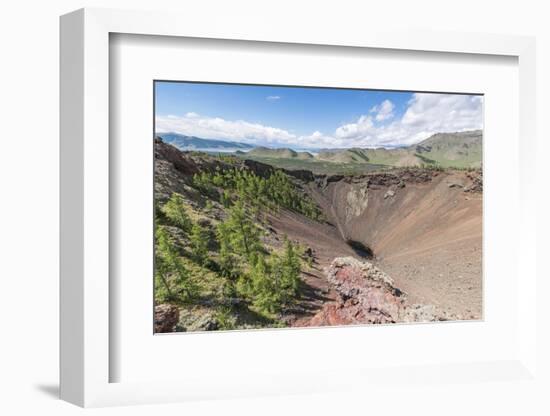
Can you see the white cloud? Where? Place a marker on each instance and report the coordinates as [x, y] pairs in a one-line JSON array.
[[425, 115], [443, 113], [273, 97], [364, 127], [384, 111], [191, 124], [318, 140]]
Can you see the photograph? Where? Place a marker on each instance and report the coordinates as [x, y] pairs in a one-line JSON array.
[[310, 206]]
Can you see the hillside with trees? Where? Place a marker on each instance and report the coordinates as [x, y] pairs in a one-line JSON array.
[[212, 258]]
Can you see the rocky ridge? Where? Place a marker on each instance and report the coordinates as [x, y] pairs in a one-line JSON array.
[[367, 295]]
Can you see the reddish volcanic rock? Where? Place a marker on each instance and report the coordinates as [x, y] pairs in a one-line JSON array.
[[367, 296], [166, 317]]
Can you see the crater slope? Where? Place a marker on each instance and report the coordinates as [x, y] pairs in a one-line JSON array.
[[424, 228]]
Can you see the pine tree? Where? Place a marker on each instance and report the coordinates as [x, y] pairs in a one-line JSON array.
[[199, 244], [227, 261], [276, 191], [218, 179], [264, 290], [291, 266], [226, 198], [176, 213], [203, 182], [274, 283], [172, 278], [244, 234]]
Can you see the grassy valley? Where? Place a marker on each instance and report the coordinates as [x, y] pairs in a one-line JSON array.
[[443, 150], [315, 165]]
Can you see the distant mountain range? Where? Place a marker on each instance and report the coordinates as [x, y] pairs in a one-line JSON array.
[[196, 143], [462, 150]]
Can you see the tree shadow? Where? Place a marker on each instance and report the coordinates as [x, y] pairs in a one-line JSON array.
[[245, 315], [310, 302]]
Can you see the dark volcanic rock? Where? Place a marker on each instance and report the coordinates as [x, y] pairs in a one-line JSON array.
[[303, 175], [400, 178], [170, 154], [166, 318], [187, 162], [265, 171], [379, 180], [334, 178], [261, 169], [477, 182]]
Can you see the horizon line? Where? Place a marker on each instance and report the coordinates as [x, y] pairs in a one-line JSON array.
[[306, 149]]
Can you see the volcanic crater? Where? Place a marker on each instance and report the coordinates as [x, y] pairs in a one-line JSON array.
[[400, 245]]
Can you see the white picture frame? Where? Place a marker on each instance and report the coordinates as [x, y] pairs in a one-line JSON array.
[[85, 211]]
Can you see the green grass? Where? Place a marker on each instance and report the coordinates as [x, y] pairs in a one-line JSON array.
[[376, 164], [317, 166], [471, 160]]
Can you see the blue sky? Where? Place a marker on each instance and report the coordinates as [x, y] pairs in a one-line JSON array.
[[310, 117]]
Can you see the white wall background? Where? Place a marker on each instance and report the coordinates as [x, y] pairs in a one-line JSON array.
[[29, 205]]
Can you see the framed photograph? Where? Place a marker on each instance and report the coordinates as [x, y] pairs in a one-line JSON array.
[[237, 210], [318, 221]]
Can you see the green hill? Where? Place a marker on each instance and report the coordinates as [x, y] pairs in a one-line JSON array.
[[453, 149], [461, 150], [344, 156], [447, 150], [283, 153]]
